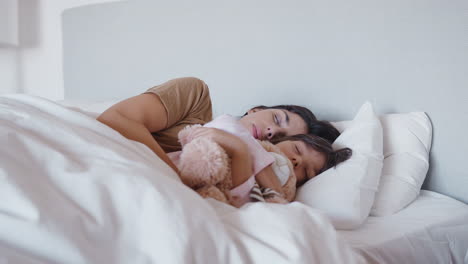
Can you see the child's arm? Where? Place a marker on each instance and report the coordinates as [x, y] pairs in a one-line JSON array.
[[237, 150], [267, 178]]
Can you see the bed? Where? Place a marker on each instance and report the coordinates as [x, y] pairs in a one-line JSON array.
[[75, 191], [93, 185], [433, 229]]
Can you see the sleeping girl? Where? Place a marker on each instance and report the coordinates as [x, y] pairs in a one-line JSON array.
[[310, 155], [276, 170]]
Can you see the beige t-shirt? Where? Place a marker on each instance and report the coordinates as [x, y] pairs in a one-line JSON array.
[[187, 102]]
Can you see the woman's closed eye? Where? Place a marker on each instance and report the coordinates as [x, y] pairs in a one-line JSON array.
[[276, 118]]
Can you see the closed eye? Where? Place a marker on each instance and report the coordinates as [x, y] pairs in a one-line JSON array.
[[297, 150], [275, 117]]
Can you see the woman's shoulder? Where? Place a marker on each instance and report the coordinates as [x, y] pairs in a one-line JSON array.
[[180, 86], [184, 98]]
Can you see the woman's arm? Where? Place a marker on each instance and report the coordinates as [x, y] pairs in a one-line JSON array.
[[135, 118], [237, 150]]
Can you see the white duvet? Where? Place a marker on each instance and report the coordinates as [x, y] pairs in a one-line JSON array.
[[75, 191]]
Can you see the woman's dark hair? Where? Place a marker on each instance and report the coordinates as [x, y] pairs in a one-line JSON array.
[[316, 127], [333, 157]]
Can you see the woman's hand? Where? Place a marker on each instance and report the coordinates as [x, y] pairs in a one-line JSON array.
[[241, 160]]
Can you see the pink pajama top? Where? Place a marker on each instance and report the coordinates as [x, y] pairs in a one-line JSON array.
[[261, 158]]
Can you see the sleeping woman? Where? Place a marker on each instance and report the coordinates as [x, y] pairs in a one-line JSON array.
[[155, 117]]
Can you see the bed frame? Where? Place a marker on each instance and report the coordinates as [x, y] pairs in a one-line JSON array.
[[330, 56]]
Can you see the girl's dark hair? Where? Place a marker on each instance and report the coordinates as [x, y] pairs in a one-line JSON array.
[[333, 157], [316, 127]]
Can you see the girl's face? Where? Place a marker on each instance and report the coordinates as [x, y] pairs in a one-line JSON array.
[[307, 162], [266, 124]]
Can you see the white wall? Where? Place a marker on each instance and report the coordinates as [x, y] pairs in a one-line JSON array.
[[35, 65]]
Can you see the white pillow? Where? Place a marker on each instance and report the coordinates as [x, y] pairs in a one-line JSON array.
[[346, 193], [406, 146], [407, 143]]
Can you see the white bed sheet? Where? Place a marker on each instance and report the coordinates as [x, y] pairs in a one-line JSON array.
[[433, 229], [73, 190], [90, 108]]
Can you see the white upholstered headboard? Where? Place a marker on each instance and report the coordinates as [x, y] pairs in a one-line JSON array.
[[328, 55]]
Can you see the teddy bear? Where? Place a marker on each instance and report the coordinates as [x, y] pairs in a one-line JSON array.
[[205, 167]]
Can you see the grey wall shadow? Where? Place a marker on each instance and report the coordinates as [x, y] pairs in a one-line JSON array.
[[29, 32], [28, 23]]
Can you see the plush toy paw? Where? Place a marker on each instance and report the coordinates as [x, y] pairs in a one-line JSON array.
[[267, 195], [276, 199], [212, 192]]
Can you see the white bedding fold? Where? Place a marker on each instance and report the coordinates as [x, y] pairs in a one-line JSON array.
[[75, 191]]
